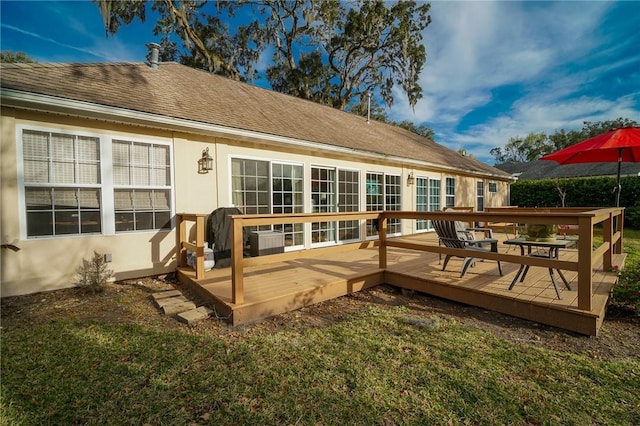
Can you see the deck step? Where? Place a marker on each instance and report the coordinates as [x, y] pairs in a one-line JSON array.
[[195, 315], [165, 294], [179, 307], [171, 301]]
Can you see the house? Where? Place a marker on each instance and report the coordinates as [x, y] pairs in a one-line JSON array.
[[100, 157], [539, 169]]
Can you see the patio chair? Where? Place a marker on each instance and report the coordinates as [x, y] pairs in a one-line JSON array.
[[453, 234]]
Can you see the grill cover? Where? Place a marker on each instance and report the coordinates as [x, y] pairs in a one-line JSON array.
[[218, 235]]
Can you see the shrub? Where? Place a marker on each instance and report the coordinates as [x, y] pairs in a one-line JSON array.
[[632, 217], [627, 291], [94, 274]]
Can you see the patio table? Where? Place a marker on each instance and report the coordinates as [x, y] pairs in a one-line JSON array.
[[552, 246]]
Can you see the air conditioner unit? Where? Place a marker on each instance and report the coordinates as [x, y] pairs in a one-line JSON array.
[[266, 242]]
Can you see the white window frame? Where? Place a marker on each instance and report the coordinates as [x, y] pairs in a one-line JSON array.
[[385, 184], [449, 199], [422, 203], [270, 162], [136, 186], [106, 179], [480, 195], [343, 224], [328, 227], [297, 228]]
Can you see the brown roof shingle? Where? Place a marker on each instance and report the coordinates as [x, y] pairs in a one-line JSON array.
[[178, 91]]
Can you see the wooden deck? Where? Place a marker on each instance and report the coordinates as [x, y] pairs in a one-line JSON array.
[[292, 283]]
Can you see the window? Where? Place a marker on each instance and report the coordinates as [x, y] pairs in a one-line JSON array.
[[348, 201], [383, 193], [392, 189], [77, 184], [480, 196], [142, 186], [422, 202], [375, 200], [62, 184], [288, 197], [427, 199], [493, 187], [250, 188], [323, 200], [434, 196], [450, 192], [262, 187]]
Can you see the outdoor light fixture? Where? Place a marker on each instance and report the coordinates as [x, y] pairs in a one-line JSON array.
[[410, 179], [205, 163]]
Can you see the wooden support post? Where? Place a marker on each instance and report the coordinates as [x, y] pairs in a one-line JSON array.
[[199, 247], [585, 262], [382, 250], [181, 232], [237, 274], [618, 228], [607, 235]]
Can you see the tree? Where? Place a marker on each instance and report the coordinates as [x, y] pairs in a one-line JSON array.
[[529, 148], [375, 111], [562, 139], [535, 145], [8, 57], [309, 80], [464, 153], [321, 51], [379, 47], [421, 130], [181, 18]]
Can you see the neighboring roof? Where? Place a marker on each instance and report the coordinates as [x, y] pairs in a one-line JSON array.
[[177, 91], [550, 169]]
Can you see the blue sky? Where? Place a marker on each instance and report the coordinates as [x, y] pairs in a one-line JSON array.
[[494, 70]]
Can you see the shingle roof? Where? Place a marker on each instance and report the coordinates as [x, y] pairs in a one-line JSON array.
[[550, 169], [178, 91]]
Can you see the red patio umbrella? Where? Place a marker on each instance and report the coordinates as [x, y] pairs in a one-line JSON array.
[[616, 145]]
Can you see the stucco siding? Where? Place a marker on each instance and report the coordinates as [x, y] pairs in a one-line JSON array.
[[48, 263]]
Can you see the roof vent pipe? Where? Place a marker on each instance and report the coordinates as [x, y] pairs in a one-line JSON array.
[[368, 107], [152, 56]]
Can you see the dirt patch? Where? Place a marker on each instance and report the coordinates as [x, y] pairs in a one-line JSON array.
[[130, 302]]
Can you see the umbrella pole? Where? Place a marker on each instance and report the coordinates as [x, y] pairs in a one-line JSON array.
[[618, 187], [618, 190]]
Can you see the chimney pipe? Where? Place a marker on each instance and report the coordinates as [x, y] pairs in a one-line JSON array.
[[152, 56]]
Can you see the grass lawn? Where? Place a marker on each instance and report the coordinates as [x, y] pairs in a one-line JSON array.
[[631, 246], [373, 366]]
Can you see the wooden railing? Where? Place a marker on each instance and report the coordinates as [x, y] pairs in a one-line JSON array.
[[583, 219], [183, 244]]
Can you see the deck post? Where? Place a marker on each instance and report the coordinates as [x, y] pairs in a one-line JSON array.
[[181, 231], [199, 247], [619, 222], [237, 283], [382, 233], [585, 262], [608, 233]]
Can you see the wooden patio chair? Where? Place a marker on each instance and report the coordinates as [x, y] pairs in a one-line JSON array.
[[453, 234]]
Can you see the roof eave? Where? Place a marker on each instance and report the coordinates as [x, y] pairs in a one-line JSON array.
[[53, 104]]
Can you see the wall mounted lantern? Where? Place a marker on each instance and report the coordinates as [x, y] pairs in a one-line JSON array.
[[205, 163], [410, 179]]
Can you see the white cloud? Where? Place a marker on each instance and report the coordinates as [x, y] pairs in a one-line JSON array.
[[543, 50]]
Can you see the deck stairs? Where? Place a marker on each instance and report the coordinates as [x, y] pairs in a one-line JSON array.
[[173, 302]]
